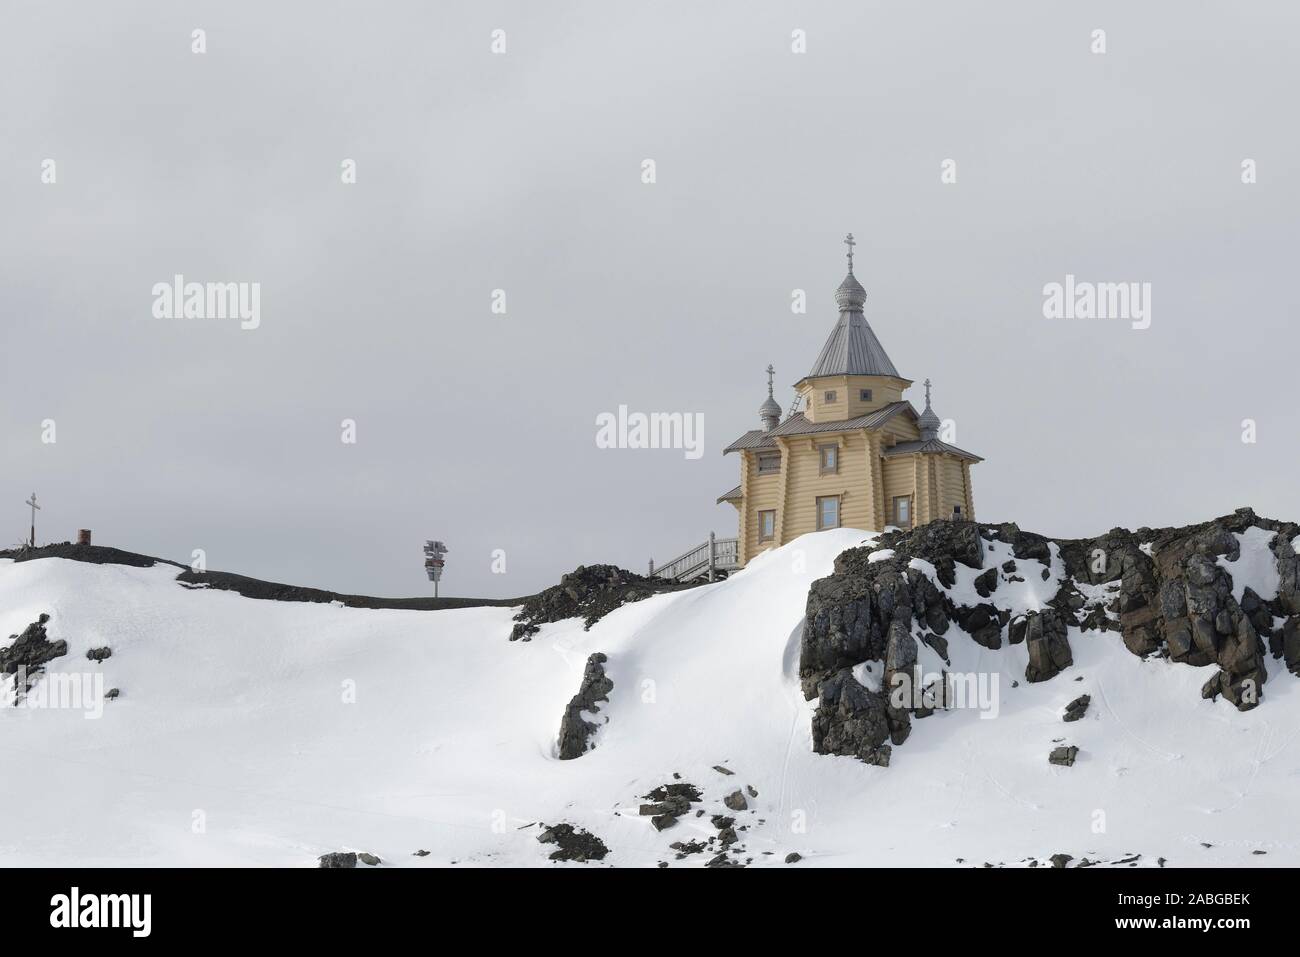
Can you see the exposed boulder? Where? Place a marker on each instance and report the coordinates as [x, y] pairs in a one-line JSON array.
[[30, 650], [338, 859], [1048, 645], [1063, 755], [99, 654], [575, 730], [1077, 708]]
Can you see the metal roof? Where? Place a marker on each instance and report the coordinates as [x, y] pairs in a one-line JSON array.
[[729, 496], [798, 425], [930, 445], [853, 349], [753, 439]]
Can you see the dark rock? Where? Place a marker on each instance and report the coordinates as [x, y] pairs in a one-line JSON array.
[[663, 821], [721, 770], [986, 583], [793, 857], [99, 654], [30, 650], [368, 859], [721, 822], [1063, 755], [735, 801], [1048, 647], [722, 860], [589, 592], [112, 693], [338, 859], [727, 836], [420, 853], [1060, 860], [1077, 708], [753, 792], [850, 719], [574, 844], [575, 730]]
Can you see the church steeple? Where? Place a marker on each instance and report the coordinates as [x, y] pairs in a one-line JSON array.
[[851, 297], [928, 422], [770, 412], [852, 348]]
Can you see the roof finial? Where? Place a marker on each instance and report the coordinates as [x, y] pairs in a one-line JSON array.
[[927, 393], [850, 242], [770, 374]]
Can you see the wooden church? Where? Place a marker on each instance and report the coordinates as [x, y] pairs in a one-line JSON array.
[[853, 452]]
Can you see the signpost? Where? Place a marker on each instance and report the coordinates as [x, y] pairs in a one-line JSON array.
[[434, 562], [32, 502]]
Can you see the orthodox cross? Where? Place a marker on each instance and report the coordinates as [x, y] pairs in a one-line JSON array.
[[32, 502], [850, 242], [927, 393], [770, 373]]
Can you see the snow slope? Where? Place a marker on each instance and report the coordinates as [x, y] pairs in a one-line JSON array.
[[267, 733]]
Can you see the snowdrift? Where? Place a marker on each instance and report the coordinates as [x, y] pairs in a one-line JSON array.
[[256, 732]]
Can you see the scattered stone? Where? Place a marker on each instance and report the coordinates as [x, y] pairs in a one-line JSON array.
[[1259, 852], [727, 836], [368, 859], [723, 861], [338, 859], [1060, 860], [753, 792], [112, 693], [793, 857], [735, 801], [663, 821], [574, 844], [721, 770], [720, 822], [1077, 708], [99, 654], [1063, 756], [421, 853]]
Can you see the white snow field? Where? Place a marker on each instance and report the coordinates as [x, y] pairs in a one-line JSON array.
[[253, 732]]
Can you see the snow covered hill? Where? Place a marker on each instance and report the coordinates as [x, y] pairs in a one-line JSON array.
[[256, 732]]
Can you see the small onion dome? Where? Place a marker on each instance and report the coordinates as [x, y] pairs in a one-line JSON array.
[[928, 422], [770, 412], [769, 409], [851, 297]]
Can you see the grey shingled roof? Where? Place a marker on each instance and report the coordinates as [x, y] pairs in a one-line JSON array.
[[753, 439], [733, 494], [930, 445], [853, 349], [798, 425]]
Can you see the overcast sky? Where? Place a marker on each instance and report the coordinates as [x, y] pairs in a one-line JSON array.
[[522, 171]]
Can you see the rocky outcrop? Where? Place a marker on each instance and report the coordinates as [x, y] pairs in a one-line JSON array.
[[338, 859], [575, 730], [573, 843], [589, 592], [30, 650], [1169, 593]]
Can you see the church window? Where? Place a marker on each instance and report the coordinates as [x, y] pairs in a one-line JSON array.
[[830, 459], [769, 462], [828, 512], [865, 395], [828, 397], [767, 525]]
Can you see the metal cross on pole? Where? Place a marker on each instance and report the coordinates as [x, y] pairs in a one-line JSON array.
[[32, 502], [850, 242]]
